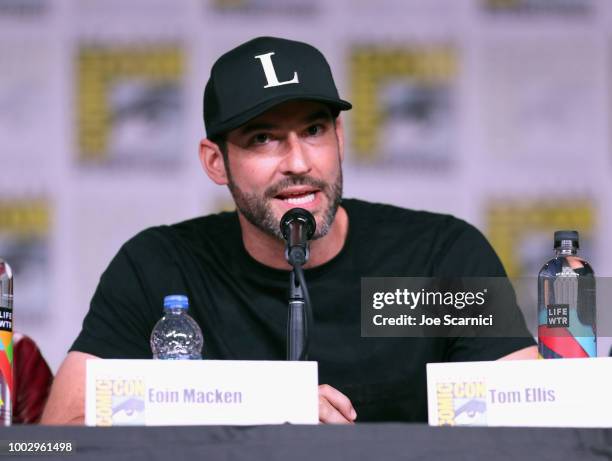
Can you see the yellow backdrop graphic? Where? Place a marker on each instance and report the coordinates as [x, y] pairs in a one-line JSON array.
[[374, 66], [24, 218], [537, 6], [24, 244], [99, 67], [511, 222], [298, 7]]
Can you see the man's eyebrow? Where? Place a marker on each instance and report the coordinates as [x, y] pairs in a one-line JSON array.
[[251, 127], [322, 114]]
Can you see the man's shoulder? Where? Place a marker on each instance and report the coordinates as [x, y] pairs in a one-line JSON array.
[[451, 246], [435, 236], [191, 231], [381, 214]]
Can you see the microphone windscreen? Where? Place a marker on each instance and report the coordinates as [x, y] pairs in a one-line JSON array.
[[298, 215]]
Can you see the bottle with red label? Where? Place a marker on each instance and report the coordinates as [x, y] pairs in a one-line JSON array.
[[566, 303]]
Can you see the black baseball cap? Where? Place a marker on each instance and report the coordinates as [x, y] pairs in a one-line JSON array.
[[262, 73]]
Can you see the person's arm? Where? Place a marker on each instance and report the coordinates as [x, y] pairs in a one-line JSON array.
[[471, 256], [527, 353], [123, 310], [66, 404]]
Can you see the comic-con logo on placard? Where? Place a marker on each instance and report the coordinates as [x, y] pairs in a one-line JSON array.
[[462, 404], [120, 402]]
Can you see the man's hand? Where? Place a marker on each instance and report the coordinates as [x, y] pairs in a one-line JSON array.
[[334, 406], [66, 404]]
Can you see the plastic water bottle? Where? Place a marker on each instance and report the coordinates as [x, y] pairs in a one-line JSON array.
[[566, 303], [6, 343], [176, 336]]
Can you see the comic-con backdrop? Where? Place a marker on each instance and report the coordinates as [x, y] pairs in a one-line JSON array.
[[496, 111]]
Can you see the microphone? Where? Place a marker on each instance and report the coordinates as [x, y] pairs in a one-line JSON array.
[[297, 226]]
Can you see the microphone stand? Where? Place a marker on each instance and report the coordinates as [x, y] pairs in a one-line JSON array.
[[297, 226], [297, 331], [300, 319]]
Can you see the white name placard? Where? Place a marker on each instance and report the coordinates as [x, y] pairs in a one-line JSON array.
[[194, 392], [560, 392]]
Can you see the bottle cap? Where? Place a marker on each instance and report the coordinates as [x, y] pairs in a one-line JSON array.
[[181, 301], [571, 235]]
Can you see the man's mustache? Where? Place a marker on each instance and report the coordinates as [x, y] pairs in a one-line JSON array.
[[277, 188]]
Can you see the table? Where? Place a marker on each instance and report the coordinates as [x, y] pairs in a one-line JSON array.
[[285, 442]]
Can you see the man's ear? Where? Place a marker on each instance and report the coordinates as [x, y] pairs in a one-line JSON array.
[[340, 136], [213, 162]]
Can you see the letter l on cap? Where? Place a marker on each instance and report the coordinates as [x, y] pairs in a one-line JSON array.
[[268, 67]]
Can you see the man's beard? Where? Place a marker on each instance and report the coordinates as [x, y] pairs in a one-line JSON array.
[[258, 211]]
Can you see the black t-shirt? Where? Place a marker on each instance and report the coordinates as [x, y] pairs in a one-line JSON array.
[[241, 304]]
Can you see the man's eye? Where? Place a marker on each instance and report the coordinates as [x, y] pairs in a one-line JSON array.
[[315, 130], [261, 138]]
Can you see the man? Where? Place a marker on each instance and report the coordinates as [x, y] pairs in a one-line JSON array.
[[275, 138]]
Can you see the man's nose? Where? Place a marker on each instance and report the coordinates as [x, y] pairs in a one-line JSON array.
[[296, 160]]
